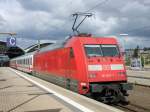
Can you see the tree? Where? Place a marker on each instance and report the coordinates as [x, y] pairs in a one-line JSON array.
[[2, 49], [136, 52], [146, 48], [128, 61]]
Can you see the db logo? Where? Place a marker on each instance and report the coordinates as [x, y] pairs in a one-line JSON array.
[[106, 67]]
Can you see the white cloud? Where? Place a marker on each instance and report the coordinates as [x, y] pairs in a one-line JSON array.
[[33, 19]]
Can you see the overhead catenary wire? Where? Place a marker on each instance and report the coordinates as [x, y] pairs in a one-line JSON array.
[[92, 8], [129, 31], [97, 5]]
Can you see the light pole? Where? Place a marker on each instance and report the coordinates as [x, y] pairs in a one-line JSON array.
[[124, 52], [123, 35]]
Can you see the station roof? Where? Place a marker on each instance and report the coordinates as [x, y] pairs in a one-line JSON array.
[[43, 43], [11, 52]]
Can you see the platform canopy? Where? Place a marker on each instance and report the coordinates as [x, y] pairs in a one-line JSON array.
[[11, 52], [41, 44]]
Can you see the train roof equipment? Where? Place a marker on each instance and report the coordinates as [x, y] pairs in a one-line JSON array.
[[75, 26]]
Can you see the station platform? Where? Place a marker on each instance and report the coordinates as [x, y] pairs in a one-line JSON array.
[[139, 77], [21, 92], [19, 95]]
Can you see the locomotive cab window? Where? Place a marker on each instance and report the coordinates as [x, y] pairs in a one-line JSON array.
[[101, 50], [93, 50], [110, 50]]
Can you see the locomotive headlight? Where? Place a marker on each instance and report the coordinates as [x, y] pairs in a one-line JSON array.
[[83, 84], [92, 75]]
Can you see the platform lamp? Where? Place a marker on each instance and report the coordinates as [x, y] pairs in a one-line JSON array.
[[124, 35]]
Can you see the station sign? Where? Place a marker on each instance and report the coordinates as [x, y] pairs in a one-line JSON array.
[[11, 42]]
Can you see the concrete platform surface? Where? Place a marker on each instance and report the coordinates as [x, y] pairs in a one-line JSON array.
[[66, 100], [20, 95], [139, 77]]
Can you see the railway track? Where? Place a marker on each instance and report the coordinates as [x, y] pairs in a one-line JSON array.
[[139, 77], [132, 108], [139, 100], [142, 85], [139, 81]]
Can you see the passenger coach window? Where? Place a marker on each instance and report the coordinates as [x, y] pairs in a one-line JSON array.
[[93, 50], [110, 50]]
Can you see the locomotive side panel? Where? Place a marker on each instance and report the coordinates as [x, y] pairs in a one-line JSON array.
[[57, 66], [82, 77]]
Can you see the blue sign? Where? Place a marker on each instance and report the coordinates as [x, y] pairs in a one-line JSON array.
[[11, 41]]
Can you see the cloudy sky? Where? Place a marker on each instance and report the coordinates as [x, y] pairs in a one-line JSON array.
[[51, 19]]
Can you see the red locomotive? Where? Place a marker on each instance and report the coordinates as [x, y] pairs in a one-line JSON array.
[[82, 63], [87, 65]]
